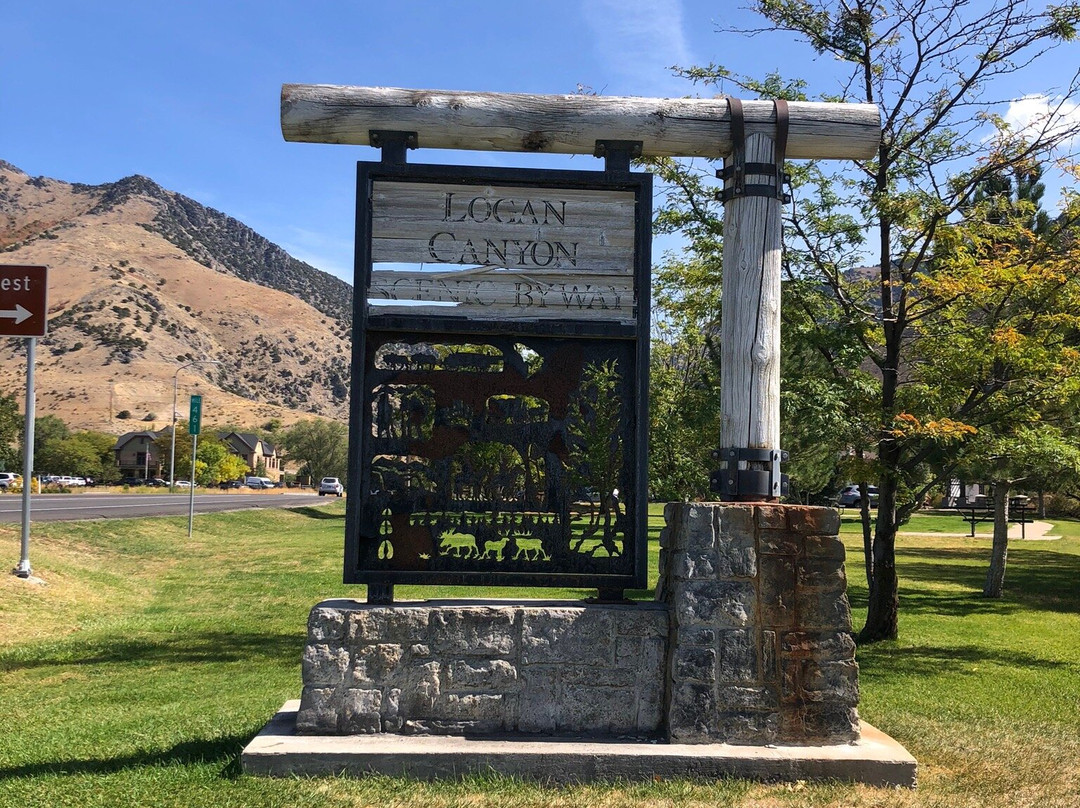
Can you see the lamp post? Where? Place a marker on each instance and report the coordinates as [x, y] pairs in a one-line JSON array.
[[172, 450]]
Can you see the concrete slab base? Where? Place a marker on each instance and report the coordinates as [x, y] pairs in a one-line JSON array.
[[876, 759]]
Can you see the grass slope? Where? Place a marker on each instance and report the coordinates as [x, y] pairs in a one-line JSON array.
[[147, 662]]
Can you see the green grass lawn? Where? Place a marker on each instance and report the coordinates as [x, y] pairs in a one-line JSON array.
[[148, 661]]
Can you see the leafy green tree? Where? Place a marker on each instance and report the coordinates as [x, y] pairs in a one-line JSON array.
[[11, 424], [1010, 459], [231, 467], [71, 456], [931, 67], [322, 446], [47, 428]]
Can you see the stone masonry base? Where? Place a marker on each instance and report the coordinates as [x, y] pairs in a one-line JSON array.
[[432, 667], [875, 759], [744, 665]]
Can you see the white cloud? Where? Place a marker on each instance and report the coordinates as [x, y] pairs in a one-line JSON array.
[[638, 41], [1040, 114]]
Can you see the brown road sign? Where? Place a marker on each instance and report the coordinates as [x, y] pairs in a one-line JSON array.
[[24, 301]]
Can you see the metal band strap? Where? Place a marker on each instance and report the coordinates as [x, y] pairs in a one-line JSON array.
[[739, 168]]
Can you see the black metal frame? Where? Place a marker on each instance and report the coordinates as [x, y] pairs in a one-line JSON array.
[[617, 177]]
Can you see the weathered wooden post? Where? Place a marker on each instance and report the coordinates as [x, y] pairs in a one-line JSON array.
[[748, 638], [753, 177]]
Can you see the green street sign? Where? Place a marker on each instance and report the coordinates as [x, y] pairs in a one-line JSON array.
[[195, 416]]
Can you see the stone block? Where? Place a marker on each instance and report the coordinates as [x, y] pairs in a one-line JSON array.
[[732, 698], [777, 591], [581, 635], [694, 565], [771, 517], [717, 603], [779, 542], [375, 664], [808, 520], [380, 624], [835, 683], [650, 706], [698, 528], [819, 724], [696, 635], [360, 712], [735, 520], [821, 575], [738, 656], [628, 651], [326, 624], [747, 727], [486, 707], [318, 713], [692, 714], [737, 556], [597, 709], [650, 667], [421, 689], [493, 675], [538, 704], [826, 610], [828, 646], [324, 665], [475, 631], [698, 664], [602, 676], [829, 547]]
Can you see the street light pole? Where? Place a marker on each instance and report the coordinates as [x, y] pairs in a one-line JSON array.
[[172, 450]]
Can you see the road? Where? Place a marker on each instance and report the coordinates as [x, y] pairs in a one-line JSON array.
[[64, 507]]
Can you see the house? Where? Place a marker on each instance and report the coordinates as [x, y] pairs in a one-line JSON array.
[[254, 451], [138, 455]]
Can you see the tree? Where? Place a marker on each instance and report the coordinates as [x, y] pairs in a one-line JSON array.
[[684, 377], [320, 445], [11, 424], [931, 66], [83, 454], [47, 428], [1033, 450], [230, 467]]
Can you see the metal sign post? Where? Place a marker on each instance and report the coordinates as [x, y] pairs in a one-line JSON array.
[[24, 313], [194, 425]]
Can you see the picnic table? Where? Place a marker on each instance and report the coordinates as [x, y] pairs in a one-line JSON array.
[[981, 509]]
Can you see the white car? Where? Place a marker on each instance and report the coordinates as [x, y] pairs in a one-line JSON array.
[[331, 485], [8, 478]]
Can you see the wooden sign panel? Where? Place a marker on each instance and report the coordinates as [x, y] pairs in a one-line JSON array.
[[489, 250], [499, 401]]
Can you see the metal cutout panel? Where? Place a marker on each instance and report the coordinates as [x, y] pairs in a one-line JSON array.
[[499, 412]]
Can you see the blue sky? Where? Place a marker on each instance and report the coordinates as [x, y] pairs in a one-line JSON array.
[[187, 93]]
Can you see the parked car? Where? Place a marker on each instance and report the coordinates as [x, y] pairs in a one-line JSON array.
[[258, 482], [331, 485], [850, 496], [9, 478], [129, 481], [183, 484], [228, 484]]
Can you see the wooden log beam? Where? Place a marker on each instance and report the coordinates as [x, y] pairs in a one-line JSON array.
[[567, 124]]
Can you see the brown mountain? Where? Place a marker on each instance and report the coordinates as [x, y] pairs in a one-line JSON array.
[[143, 280]]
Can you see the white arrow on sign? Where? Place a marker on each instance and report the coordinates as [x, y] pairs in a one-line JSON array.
[[18, 314]]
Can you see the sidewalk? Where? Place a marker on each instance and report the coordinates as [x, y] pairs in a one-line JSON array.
[[1033, 531]]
